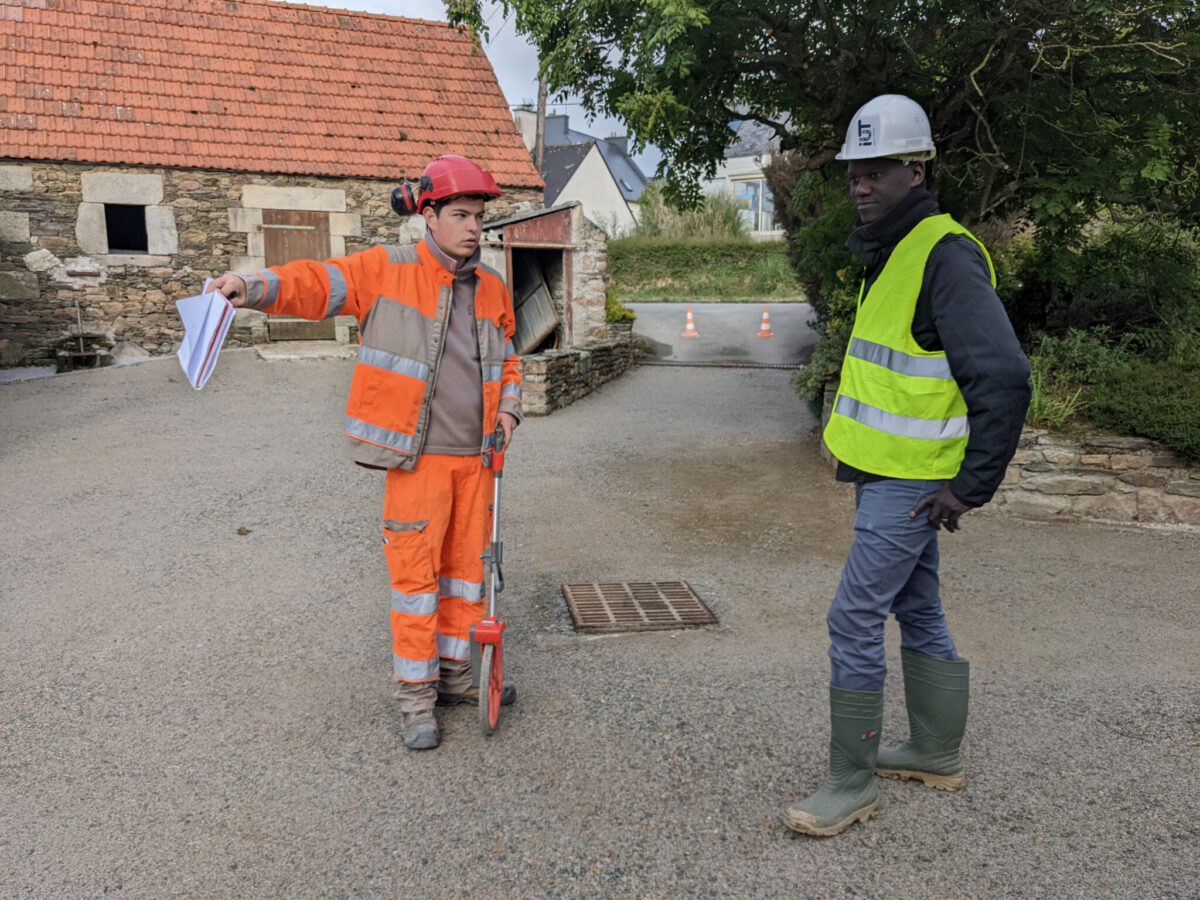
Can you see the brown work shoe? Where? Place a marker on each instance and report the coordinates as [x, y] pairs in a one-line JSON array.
[[508, 696], [420, 730]]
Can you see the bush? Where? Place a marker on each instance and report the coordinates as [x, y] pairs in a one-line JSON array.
[[1136, 279], [615, 310], [717, 218], [1153, 399], [823, 366], [1079, 357]]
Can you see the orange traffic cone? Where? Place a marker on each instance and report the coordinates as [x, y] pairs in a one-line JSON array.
[[690, 330], [765, 330]]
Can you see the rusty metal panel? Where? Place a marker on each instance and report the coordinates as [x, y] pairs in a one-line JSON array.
[[635, 606], [551, 229]]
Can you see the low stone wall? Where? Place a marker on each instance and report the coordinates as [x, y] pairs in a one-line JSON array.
[[1107, 478], [1093, 477], [557, 378]]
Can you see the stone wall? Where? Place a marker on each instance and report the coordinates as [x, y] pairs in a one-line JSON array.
[[1092, 477], [56, 271], [557, 378], [1100, 477], [589, 268]]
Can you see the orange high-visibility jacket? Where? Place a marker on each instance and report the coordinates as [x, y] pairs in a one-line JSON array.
[[401, 296]]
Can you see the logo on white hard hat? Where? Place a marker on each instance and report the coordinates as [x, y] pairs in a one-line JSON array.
[[867, 129]]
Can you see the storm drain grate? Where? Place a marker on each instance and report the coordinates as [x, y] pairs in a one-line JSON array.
[[635, 606]]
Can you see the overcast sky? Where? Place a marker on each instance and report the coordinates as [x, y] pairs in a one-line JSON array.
[[512, 58]]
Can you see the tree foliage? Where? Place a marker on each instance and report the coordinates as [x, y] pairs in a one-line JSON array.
[[1049, 111]]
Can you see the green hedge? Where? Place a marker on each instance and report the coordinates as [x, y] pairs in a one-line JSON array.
[[642, 269], [1157, 400]]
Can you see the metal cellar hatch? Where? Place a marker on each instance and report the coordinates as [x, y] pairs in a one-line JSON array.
[[635, 606]]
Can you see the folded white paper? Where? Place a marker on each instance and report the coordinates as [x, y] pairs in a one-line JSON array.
[[206, 319]]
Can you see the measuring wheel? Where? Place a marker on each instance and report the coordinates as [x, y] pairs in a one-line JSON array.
[[491, 685], [489, 634]]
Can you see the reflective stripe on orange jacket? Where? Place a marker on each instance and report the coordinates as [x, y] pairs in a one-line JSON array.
[[401, 297]]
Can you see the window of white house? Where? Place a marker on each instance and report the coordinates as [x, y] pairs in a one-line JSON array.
[[125, 226], [757, 204]]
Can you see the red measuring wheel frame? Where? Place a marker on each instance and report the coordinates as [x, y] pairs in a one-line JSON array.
[[489, 635]]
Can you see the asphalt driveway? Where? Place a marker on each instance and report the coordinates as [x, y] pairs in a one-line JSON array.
[[195, 697]]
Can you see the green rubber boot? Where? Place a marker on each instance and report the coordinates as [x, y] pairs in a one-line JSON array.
[[935, 692], [850, 793]]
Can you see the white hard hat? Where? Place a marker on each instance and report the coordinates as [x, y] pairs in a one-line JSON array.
[[889, 125]]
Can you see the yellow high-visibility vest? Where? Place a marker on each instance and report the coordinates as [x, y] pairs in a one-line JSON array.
[[899, 412]]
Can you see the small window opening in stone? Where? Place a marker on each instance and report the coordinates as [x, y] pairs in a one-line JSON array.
[[126, 227]]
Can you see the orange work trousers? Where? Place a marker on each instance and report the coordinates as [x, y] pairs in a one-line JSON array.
[[437, 522]]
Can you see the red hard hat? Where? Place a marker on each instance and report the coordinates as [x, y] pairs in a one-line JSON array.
[[453, 176]]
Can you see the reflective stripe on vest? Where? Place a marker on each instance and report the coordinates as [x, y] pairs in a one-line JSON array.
[[511, 390], [899, 413], [902, 426], [493, 373], [899, 361]]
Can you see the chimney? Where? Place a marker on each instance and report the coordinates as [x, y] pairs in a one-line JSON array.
[[526, 119], [621, 142], [556, 129]]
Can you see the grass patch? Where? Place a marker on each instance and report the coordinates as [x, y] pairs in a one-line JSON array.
[[725, 271]]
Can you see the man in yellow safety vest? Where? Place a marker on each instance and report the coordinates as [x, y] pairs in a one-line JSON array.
[[933, 394]]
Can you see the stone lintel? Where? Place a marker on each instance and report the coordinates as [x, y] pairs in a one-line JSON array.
[[122, 187], [261, 196]]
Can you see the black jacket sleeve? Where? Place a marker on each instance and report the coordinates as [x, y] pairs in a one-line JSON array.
[[963, 315]]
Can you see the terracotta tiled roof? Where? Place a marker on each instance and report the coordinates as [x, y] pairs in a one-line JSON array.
[[248, 85]]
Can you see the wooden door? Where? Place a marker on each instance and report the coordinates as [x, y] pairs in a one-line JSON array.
[[290, 234]]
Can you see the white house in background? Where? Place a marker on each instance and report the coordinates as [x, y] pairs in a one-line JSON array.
[[741, 174], [597, 173]]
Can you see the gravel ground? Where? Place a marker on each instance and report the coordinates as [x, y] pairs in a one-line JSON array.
[[196, 700]]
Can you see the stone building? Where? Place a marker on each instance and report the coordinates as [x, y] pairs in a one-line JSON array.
[[149, 145]]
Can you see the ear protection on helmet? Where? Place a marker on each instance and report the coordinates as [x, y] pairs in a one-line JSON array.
[[404, 199]]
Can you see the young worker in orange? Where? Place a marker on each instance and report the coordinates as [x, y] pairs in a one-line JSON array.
[[436, 376]]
